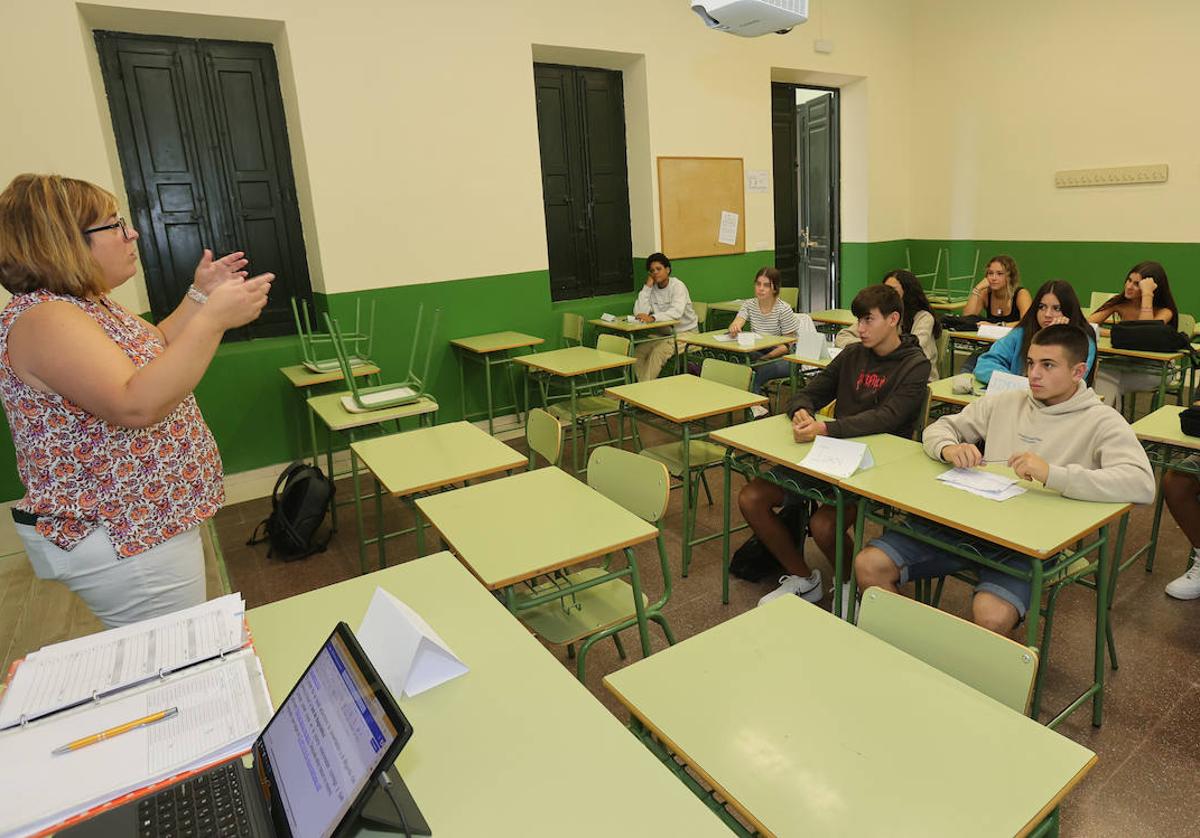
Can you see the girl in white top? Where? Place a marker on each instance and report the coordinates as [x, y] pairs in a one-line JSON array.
[[918, 319], [767, 315]]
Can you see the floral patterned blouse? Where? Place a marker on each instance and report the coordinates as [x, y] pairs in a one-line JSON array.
[[143, 485]]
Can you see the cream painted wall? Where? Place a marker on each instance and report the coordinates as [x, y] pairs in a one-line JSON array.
[[414, 134], [1005, 95]]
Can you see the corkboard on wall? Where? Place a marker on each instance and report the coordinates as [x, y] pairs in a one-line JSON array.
[[692, 194]]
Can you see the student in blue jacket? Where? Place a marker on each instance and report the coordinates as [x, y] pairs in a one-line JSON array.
[[1055, 302]]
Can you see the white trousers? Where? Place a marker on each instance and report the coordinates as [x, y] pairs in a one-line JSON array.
[[163, 579], [1113, 382]]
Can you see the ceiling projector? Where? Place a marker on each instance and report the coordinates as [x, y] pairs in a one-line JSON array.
[[751, 18]]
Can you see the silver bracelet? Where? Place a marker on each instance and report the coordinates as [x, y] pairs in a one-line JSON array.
[[197, 295]]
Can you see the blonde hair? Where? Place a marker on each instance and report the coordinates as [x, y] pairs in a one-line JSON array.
[[42, 245]]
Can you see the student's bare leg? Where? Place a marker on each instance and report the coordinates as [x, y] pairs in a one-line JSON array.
[[758, 500], [994, 613], [1182, 495], [872, 566], [823, 525]]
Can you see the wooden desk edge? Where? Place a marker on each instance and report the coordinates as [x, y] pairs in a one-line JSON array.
[[991, 539], [533, 341], [504, 583], [756, 399], [437, 484], [1191, 443], [1059, 797], [532, 361], [758, 825]]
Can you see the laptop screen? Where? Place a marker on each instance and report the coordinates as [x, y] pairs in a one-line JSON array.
[[326, 741]]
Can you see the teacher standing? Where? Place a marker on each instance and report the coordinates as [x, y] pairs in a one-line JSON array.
[[118, 465]]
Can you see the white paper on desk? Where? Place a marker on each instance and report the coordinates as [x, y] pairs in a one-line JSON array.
[[65, 674], [1003, 382], [607, 318], [629, 318], [811, 346], [985, 484], [992, 330], [747, 338], [222, 707], [724, 337], [838, 457], [729, 225], [408, 654]]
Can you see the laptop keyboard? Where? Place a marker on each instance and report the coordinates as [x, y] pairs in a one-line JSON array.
[[210, 804]]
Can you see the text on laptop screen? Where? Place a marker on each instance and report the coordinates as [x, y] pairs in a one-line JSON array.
[[326, 741]]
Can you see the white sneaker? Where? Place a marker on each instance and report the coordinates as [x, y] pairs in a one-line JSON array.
[[805, 587], [1188, 585], [847, 600], [758, 411]]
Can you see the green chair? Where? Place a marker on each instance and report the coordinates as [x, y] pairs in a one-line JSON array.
[[702, 454], [994, 665], [701, 310], [591, 405], [382, 396], [790, 295], [606, 608], [1098, 299], [357, 341], [543, 435], [572, 329]]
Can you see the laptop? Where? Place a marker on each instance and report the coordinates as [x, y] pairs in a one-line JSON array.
[[315, 764]]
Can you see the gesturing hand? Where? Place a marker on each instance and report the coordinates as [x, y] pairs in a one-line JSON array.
[[1029, 466], [212, 272], [962, 455], [237, 302]]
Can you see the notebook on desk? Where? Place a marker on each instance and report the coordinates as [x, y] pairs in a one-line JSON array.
[[314, 766]]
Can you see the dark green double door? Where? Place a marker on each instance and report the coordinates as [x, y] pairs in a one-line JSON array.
[[203, 146]]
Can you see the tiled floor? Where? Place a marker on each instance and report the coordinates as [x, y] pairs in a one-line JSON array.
[[1149, 746]]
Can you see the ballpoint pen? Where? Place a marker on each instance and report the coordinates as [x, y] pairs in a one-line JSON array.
[[116, 731]]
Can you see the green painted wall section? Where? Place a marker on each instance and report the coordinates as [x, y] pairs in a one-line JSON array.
[[1088, 266], [865, 263]]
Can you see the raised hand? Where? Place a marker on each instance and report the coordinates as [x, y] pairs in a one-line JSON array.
[[212, 272]]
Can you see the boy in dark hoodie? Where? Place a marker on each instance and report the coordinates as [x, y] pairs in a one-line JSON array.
[[880, 387]]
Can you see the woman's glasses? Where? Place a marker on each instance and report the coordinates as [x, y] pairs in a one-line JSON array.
[[119, 223]]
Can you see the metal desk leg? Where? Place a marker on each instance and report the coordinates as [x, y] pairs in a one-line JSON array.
[[725, 515], [1158, 506], [639, 607], [462, 380], [487, 375], [688, 512], [575, 427], [839, 550], [1102, 572]]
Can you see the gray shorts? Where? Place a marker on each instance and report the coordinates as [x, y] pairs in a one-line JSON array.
[[918, 560]]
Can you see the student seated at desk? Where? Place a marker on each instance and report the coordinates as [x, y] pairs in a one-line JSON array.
[[1055, 302], [1181, 491], [1059, 434], [920, 320], [879, 384], [1146, 296], [999, 297], [663, 297], [767, 315]]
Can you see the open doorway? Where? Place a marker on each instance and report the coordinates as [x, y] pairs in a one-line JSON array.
[[804, 140]]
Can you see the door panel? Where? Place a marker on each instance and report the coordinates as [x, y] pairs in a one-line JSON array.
[[608, 181], [565, 220], [814, 141], [783, 165]]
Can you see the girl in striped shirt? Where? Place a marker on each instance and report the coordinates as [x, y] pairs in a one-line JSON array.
[[767, 315]]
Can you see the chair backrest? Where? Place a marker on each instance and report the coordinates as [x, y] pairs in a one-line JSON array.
[[543, 435], [572, 329], [1187, 324], [613, 343], [994, 665], [943, 356], [1098, 299], [738, 376], [701, 310], [790, 295], [638, 483]]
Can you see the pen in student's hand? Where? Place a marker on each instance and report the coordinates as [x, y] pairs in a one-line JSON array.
[[116, 731]]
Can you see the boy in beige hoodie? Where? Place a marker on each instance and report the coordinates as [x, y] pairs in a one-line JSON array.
[[1059, 434]]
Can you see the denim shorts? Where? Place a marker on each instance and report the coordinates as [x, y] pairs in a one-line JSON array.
[[918, 560]]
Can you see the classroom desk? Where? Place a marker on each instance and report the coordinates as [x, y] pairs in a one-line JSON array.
[[947, 305], [304, 380], [730, 350], [1049, 527], [337, 420], [423, 460], [771, 440], [801, 743], [514, 746], [682, 400], [1168, 448], [517, 528], [968, 342], [573, 365], [1162, 363], [488, 351], [833, 320], [730, 307], [944, 400], [637, 332], [802, 368]]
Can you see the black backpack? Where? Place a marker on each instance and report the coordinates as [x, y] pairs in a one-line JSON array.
[[297, 511], [1148, 336], [754, 562]]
